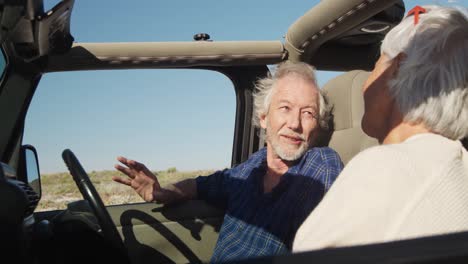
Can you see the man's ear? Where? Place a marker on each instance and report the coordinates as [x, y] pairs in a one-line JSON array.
[[263, 121]]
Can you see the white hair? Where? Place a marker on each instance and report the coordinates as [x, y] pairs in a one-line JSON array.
[[431, 86], [264, 90]]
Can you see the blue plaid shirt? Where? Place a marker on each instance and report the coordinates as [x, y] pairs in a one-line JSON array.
[[258, 223]]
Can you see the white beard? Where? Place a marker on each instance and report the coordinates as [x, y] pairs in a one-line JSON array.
[[284, 154]]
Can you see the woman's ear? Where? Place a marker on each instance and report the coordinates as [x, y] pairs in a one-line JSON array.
[[396, 63]]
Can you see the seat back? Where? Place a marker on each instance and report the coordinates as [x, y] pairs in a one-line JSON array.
[[344, 93]]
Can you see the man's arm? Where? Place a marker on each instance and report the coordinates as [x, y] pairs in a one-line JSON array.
[[146, 184], [179, 191]]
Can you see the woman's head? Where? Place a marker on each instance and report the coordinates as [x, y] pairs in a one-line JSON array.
[[430, 85]]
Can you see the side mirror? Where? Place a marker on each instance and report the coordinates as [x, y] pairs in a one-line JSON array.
[[30, 168]]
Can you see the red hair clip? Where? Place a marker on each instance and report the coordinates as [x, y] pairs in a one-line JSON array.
[[416, 11]]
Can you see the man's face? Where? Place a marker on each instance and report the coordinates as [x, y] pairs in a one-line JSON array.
[[291, 123], [378, 102]]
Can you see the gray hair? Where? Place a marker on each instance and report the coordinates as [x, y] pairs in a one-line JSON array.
[[264, 90], [431, 86]]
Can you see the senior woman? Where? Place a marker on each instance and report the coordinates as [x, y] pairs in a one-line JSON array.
[[416, 104]]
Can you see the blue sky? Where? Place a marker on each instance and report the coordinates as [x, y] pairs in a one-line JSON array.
[[102, 114]]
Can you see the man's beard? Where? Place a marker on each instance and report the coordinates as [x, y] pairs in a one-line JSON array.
[[284, 154]]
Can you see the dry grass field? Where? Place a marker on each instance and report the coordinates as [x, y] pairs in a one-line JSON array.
[[59, 189]]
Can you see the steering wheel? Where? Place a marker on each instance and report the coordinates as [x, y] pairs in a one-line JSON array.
[[81, 178]]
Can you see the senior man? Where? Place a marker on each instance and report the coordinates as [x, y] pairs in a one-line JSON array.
[[416, 104], [268, 196]]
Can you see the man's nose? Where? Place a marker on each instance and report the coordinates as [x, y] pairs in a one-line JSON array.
[[294, 120]]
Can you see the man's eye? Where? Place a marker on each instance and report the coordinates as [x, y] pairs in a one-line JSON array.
[[284, 108], [309, 114]]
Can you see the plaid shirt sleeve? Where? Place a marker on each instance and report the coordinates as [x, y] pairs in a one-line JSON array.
[[213, 188]]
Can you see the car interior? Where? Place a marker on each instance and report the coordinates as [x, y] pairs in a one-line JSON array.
[[334, 35], [344, 92]]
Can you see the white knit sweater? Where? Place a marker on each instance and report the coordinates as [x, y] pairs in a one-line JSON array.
[[392, 192]]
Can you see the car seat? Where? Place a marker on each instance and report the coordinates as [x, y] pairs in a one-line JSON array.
[[344, 93]]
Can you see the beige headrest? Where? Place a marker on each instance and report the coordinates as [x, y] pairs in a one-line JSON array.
[[344, 93]]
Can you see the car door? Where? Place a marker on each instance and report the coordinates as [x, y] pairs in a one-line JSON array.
[[179, 233]]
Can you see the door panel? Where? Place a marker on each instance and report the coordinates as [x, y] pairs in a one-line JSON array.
[[183, 233]]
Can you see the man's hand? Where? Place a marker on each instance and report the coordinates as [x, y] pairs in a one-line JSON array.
[[142, 180]]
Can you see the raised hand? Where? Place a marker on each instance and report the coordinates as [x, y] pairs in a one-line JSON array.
[[142, 180]]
